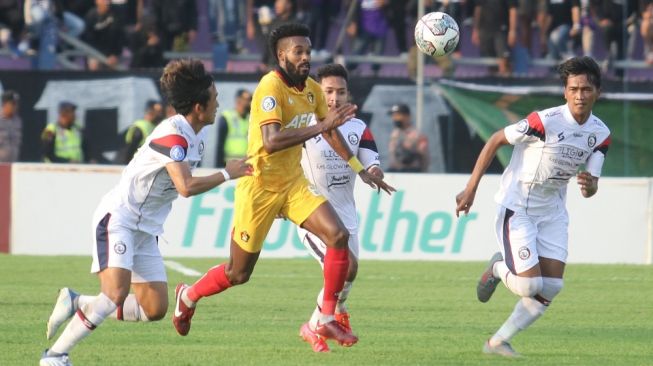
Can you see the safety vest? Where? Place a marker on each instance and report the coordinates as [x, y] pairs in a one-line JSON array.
[[235, 145], [146, 128], [67, 142]]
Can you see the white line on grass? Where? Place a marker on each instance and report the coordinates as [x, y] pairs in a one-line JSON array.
[[176, 266]]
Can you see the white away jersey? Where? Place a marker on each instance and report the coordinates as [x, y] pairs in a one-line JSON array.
[[143, 198], [332, 176], [550, 147]]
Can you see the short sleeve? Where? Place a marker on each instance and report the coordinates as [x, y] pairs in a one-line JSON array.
[[527, 130], [170, 148], [594, 163], [265, 103]]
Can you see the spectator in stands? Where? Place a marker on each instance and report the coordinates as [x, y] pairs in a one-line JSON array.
[[396, 14], [647, 30], [495, 30], [226, 22], [11, 127], [562, 24], [369, 28], [41, 21], [177, 23], [589, 22], [145, 45], [12, 18], [614, 18], [63, 140], [409, 148], [259, 17], [105, 33], [140, 130], [319, 18], [284, 13], [232, 129]]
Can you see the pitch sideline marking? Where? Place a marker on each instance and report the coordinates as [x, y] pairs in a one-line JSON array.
[[178, 267]]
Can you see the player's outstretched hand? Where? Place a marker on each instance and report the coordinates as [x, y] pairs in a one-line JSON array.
[[239, 167], [336, 117], [376, 182], [464, 201]]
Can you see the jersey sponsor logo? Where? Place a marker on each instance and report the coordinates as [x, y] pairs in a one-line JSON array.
[[353, 138], [524, 253], [120, 248], [310, 97], [268, 103], [337, 180], [561, 136], [522, 126], [290, 101], [300, 120], [244, 236], [177, 153], [571, 152], [591, 140]]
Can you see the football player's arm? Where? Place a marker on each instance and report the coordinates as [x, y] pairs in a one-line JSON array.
[[275, 139], [188, 186], [588, 180], [465, 199]]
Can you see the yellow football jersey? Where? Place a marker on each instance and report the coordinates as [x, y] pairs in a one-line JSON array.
[[276, 102]]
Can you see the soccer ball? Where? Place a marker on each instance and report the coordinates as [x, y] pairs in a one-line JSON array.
[[436, 34]]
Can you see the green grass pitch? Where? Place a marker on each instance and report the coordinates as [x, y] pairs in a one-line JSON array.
[[406, 313]]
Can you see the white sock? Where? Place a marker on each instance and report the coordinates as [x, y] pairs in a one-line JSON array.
[[131, 310], [315, 317], [83, 322], [520, 286], [320, 318], [187, 301], [525, 313], [342, 297]]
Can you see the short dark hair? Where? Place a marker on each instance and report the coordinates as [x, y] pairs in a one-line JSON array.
[[185, 83], [149, 105], [9, 96], [583, 65], [284, 31], [327, 70], [241, 92]]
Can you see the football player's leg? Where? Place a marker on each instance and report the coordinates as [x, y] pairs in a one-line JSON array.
[[114, 289]]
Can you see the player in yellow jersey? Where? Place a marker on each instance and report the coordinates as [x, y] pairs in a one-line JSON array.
[[282, 107]]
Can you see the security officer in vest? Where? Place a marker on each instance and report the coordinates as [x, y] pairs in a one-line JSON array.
[[140, 130], [63, 140], [232, 129]]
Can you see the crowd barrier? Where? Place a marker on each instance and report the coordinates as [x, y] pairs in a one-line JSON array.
[[48, 209]]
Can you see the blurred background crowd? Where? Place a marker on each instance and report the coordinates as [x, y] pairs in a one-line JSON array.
[[231, 34]]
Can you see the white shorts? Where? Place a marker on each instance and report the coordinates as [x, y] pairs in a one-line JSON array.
[[119, 247], [524, 238], [317, 248]]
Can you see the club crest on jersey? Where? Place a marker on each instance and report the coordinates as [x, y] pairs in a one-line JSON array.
[[524, 253], [310, 97], [120, 248], [268, 103], [591, 140], [244, 236], [522, 126], [353, 138], [177, 153]]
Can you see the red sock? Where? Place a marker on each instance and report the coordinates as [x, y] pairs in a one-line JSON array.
[[213, 282], [336, 262]]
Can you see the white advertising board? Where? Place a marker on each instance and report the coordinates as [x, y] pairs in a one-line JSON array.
[[52, 207]]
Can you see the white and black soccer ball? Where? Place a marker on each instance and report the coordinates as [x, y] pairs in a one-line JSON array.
[[436, 34]]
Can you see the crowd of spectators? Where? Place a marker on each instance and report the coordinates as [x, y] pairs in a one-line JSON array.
[[137, 33]]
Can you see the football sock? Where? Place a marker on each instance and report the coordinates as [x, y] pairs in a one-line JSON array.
[[525, 313], [342, 297], [336, 262], [130, 310], [528, 310], [213, 282], [521, 286], [315, 317], [83, 322]]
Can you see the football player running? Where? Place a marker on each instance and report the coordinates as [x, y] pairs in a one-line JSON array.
[[551, 147], [130, 217]]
